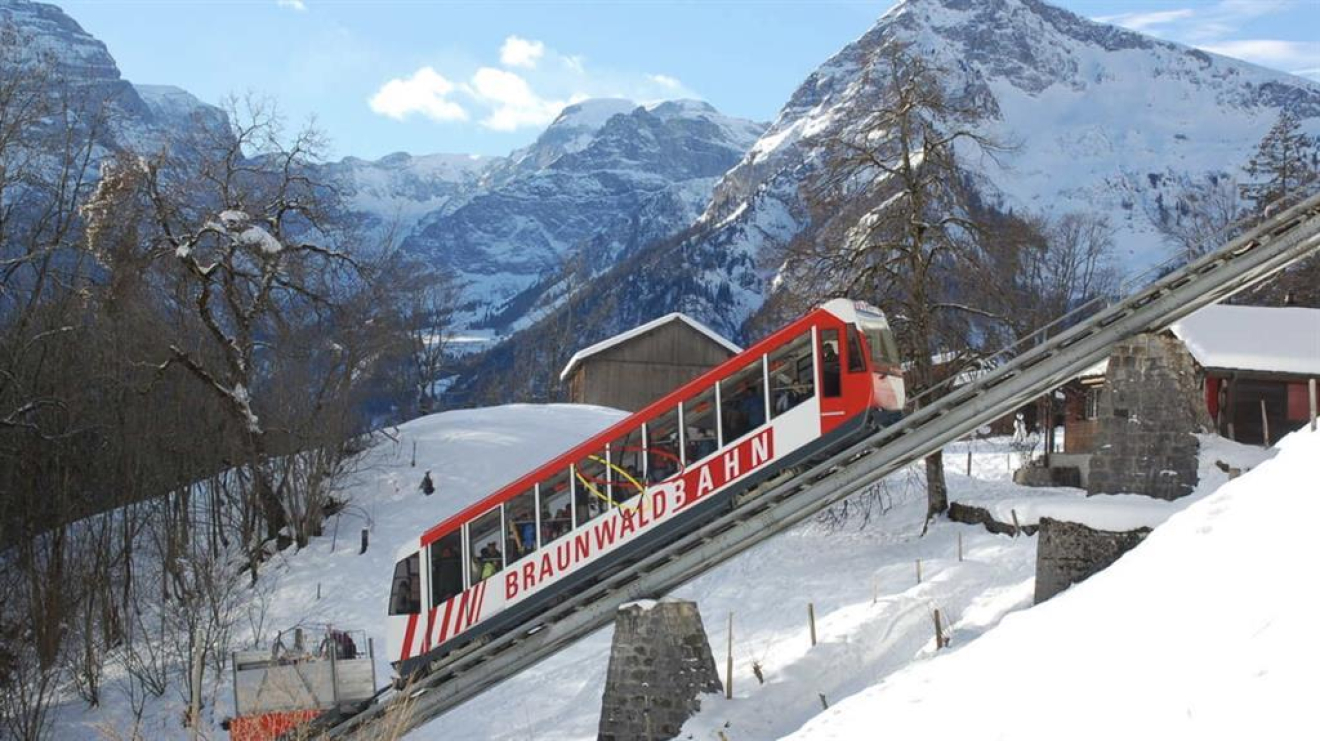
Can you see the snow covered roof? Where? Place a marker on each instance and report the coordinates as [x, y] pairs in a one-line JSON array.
[[1092, 371], [1254, 338], [638, 331]]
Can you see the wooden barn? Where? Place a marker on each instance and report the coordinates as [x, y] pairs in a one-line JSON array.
[[634, 368], [1256, 363], [1081, 408]]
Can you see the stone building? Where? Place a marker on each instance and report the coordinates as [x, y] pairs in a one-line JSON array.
[[634, 368], [1150, 407], [1242, 371]]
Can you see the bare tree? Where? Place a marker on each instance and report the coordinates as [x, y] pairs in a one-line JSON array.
[[1202, 217], [433, 299], [899, 224], [242, 245]]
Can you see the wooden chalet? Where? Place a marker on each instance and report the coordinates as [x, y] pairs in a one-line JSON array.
[[634, 368]]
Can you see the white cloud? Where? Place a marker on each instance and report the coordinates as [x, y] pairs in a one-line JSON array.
[[1212, 27], [502, 98], [1296, 56], [1144, 22], [665, 81], [519, 52], [294, 4], [424, 92], [513, 102]]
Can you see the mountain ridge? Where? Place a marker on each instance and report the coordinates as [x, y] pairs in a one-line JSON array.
[[1110, 122]]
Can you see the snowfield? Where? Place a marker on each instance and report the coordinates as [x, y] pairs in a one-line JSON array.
[[1198, 633], [874, 619]]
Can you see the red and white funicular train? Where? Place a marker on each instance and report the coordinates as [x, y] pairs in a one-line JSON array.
[[813, 385]]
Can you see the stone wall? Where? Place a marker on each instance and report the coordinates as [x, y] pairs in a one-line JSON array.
[[1067, 553], [660, 663], [1151, 404]]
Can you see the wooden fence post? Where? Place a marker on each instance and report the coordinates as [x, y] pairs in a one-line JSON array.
[[960, 548], [918, 570], [1265, 422], [728, 667], [940, 640], [1311, 386], [1016, 527], [811, 620]]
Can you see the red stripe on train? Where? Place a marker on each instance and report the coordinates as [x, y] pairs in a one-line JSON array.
[[408, 636], [430, 623], [444, 623]]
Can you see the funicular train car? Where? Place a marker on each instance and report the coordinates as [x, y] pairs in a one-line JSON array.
[[810, 387]]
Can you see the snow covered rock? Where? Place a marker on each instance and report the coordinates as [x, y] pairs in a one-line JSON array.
[[1069, 552]]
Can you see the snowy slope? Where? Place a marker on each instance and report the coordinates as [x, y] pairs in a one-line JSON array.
[[469, 453], [1202, 631], [873, 617]]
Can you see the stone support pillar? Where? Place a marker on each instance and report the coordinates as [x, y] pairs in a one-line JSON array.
[[660, 663]]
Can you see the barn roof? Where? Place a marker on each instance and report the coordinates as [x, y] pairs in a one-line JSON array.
[[1253, 338], [638, 331]]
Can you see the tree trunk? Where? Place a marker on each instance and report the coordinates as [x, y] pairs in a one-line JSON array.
[[937, 492]]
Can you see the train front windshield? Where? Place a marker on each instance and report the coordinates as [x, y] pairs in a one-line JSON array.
[[889, 391], [884, 351]]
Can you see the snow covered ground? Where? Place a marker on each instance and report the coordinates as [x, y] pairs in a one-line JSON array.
[[874, 619], [1001, 498], [1200, 632]]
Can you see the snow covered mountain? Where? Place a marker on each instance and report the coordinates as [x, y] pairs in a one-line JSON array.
[[146, 118], [1105, 121], [606, 178], [397, 191]]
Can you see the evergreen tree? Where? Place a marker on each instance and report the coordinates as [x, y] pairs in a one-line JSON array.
[[1284, 161]]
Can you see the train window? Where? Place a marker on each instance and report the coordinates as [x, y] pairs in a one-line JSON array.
[[484, 540], [662, 447], [593, 495], [627, 464], [446, 567], [406, 592], [856, 361], [884, 351], [556, 496], [830, 381], [520, 525], [742, 401], [699, 418], [792, 380]]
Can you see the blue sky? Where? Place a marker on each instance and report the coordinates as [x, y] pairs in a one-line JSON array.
[[485, 77]]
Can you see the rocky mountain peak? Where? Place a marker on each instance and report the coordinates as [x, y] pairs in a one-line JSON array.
[[49, 34], [148, 118]]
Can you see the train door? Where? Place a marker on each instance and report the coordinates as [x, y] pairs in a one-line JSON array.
[[829, 364]]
